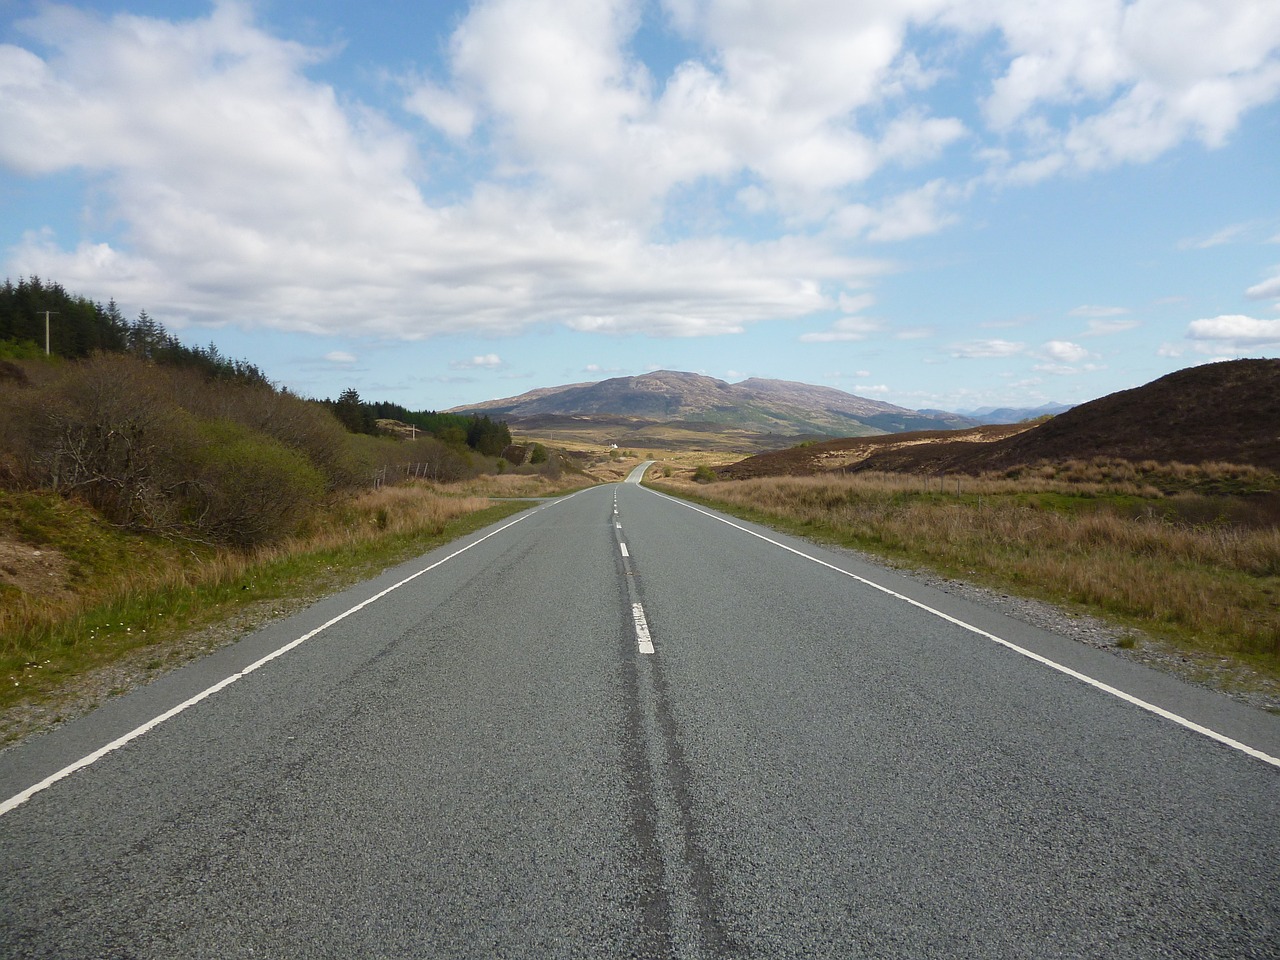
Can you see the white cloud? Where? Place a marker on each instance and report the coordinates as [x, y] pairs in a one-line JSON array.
[[1235, 331], [855, 303], [489, 361], [1135, 79], [987, 349], [1064, 351], [251, 194], [240, 189], [1106, 327], [1265, 290], [1097, 312], [865, 390], [844, 330], [1062, 358], [340, 356], [442, 109], [1056, 369], [914, 213], [1225, 235]]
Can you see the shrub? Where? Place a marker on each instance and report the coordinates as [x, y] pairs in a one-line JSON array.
[[246, 488], [304, 425], [102, 431]]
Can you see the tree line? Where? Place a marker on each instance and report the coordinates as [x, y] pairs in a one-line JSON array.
[[480, 433], [78, 327], [185, 442]]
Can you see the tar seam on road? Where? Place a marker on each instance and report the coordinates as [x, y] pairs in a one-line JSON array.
[[1029, 654], [20, 798], [683, 908]]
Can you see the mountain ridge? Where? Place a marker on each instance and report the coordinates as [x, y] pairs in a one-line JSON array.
[[765, 405], [994, 415]]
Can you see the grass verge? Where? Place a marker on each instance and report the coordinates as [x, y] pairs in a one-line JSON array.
[[97, 595], [1184, 569]]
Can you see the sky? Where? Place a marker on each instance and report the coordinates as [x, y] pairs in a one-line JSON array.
[[942, 204]]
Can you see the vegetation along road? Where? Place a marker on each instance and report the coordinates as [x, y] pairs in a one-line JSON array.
[[477, 755]]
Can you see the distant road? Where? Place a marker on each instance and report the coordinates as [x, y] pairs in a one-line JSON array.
[[487, 761]]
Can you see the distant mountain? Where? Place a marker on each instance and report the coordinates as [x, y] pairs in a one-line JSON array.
[[1225, 412], [1014, 414], [763, 406]]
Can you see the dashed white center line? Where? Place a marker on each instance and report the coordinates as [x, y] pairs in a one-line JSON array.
[[624, 549], [643, 641]]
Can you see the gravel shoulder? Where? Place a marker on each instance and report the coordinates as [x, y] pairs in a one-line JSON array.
[[1222, 675]]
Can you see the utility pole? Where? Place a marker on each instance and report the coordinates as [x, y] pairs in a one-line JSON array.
[[46, 329]]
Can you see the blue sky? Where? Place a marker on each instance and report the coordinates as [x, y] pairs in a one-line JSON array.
[[937, 203]]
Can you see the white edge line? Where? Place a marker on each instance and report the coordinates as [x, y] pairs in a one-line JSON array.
[[20, 798], [644, 642], [1030, 654]]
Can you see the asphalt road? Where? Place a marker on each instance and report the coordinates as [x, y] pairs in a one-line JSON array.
[[486, 761]]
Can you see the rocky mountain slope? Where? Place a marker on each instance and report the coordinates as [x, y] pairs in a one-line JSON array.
[[765, 406]]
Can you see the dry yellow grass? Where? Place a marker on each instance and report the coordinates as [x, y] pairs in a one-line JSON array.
[[157, 566], [507, 486], [96, 606], [1212, 586]]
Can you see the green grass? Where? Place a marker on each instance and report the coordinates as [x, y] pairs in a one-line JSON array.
[[118, 610]]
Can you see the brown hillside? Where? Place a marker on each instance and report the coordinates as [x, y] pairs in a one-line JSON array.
[[1219, 412], [850, 453], [1227, 411]]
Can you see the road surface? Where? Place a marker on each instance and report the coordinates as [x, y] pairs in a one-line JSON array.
[[620, 726]]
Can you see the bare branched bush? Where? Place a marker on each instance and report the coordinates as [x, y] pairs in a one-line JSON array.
[[103, 431], [165, 451]]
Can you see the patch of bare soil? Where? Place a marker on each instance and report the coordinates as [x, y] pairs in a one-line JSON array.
[[33, 571]]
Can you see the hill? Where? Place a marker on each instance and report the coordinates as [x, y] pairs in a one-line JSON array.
[[704, 406], [1014, 414], [1219, 412]]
